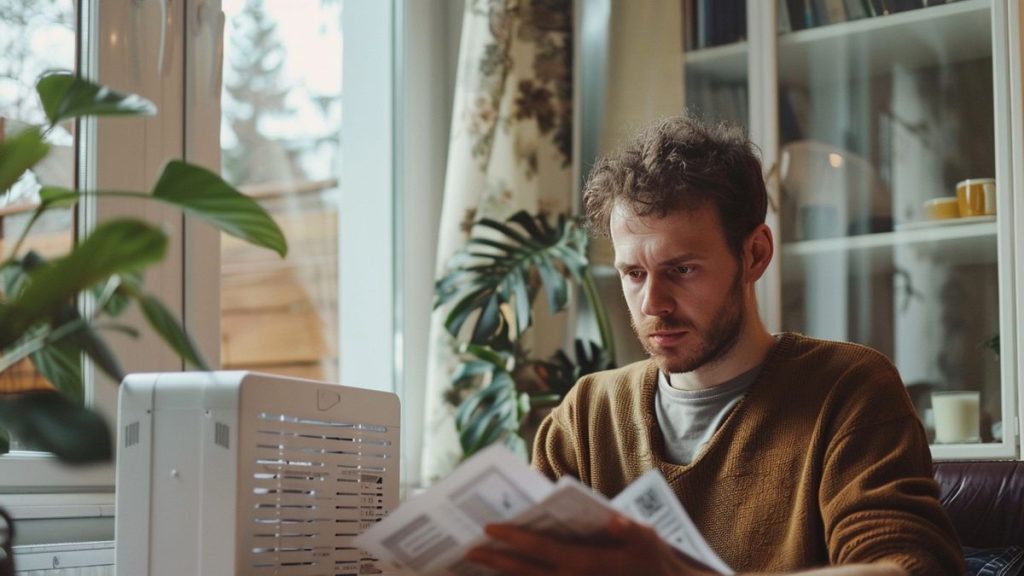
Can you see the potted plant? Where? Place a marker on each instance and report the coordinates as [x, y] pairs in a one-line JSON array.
[[40, 315], [492, 285]]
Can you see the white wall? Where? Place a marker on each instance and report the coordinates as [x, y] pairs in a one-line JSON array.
[[427, 66]]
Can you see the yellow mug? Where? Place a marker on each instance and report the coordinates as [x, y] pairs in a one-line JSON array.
[[941, 208], [976, 196]]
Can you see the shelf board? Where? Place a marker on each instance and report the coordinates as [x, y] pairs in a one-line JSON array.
[[960, 244], [726, 63], [935, 235], [914, 39], [924, 37]]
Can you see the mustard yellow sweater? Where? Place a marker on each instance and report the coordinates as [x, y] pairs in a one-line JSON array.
[[822, 462]]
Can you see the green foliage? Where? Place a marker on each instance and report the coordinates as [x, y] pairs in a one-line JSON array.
[[561, 372], [113, 247], [490, 275], [495, 412], [202, 193], [19, 154], [39, 306], [65, 97], [491, 287], [49, 421]]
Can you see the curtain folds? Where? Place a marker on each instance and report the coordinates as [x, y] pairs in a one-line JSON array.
[[510, 150]]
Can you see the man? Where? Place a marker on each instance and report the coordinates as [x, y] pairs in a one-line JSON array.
[[789, 453]]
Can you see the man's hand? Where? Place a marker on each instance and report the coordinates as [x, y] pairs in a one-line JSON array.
[[630, 548]]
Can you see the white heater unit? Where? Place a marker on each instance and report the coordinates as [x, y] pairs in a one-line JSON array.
[[222, 473]]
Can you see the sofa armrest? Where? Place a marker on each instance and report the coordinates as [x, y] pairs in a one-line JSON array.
[[985, 501]]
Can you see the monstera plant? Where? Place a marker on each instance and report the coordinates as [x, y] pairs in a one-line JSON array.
[[491, 286], [41, 313]]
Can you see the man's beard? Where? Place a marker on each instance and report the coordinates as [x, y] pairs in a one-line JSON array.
[[715, 342]]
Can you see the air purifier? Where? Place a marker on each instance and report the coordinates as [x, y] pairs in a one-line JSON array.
[[222, 473]]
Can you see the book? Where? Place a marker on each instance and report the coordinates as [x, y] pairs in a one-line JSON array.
[[855, 9], [902, 5], [689, 25], [799, 14], [828, 11], [739, 25], [431, 533], [782, 24], [703, 21]]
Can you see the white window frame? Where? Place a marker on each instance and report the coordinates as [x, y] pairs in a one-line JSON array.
[[366, 248], [130, 153], [120, 154]]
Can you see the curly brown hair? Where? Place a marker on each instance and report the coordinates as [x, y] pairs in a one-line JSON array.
[[681, 164]]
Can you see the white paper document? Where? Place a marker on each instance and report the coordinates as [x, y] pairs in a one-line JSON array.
[[431, 533]]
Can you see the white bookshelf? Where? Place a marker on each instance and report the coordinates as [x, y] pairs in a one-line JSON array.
[[912, 39], [952, 244]]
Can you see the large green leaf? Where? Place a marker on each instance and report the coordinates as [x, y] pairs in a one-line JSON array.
[[167, 326], [115, 246], [490, 273], [19, 153], [116, 301], [89, 341], [48, 421], [520, 292], [468, 303], [61, 364], [57, 197], [500, 359], [56, 351], [489, 415], [491, 321], [204, 194], [65, 96], [468, 373], [527, 241], [13, 277], [555, 285], [560, 373], [82, 340]]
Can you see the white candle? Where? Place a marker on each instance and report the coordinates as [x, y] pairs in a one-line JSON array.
[[957, 416]]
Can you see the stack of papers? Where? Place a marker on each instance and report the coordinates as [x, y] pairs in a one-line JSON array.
[[431, 533]]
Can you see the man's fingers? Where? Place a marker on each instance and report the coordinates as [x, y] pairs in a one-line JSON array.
[[547, 551], [505, 562], [516, 537], [630, 532]]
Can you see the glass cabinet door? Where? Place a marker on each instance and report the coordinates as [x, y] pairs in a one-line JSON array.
[[890, 201]]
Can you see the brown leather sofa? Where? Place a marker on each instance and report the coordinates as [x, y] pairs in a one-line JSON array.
[[985, 501]]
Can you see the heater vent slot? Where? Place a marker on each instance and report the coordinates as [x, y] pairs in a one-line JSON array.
[[222, 435], [131, 434]]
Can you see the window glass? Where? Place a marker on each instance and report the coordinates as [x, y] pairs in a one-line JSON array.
[[281, 115], [35, 36]]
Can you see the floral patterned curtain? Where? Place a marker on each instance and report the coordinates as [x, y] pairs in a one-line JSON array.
[[510, 150]]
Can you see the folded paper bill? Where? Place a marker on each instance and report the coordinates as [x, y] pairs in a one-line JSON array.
[[431, 533]]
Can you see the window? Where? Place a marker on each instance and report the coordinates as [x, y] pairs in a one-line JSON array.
[[342, 262], [280, 134], [34, 38]]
